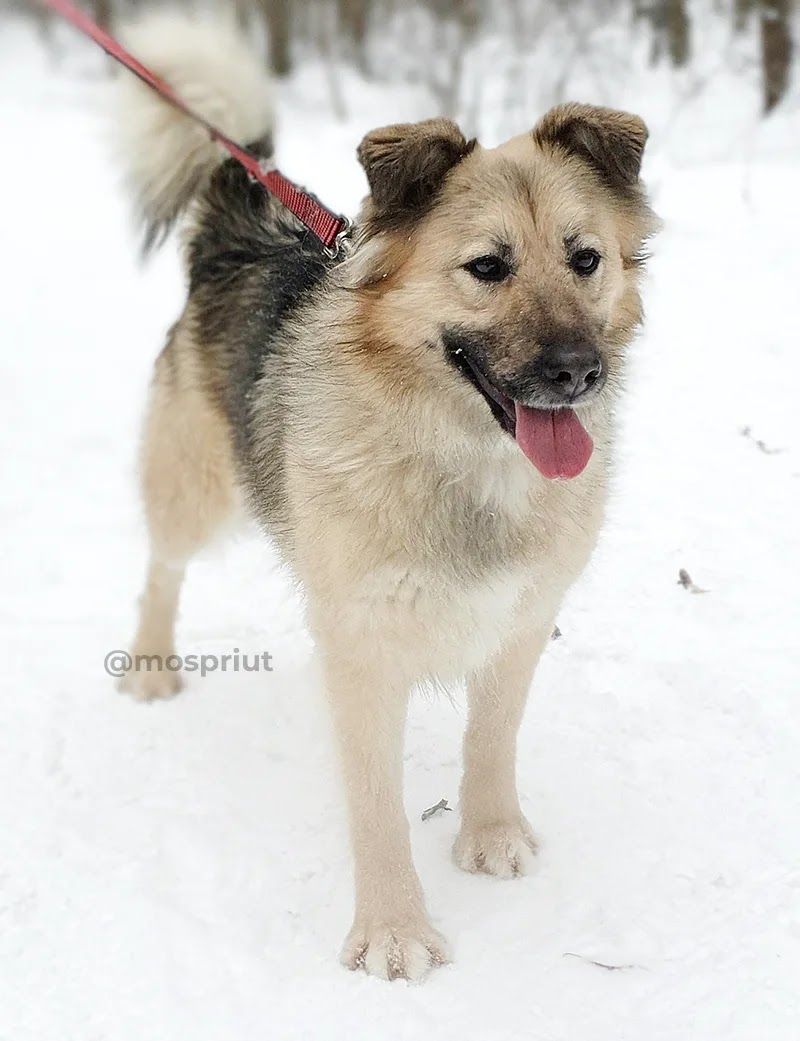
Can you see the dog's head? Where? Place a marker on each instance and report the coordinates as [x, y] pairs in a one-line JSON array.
[[515, 268]]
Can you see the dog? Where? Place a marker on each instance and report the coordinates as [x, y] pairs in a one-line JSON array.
[[423, 424]]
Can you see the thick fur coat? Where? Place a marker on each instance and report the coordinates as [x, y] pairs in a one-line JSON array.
[[393, 417]]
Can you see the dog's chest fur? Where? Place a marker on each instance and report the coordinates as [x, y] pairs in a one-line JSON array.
[[504, 564], [447, 568]]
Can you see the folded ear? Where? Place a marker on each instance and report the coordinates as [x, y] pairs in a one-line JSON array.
[[406, 164], [610, 141]]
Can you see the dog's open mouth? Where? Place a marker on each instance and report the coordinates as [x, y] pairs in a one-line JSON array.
[[553, 439]]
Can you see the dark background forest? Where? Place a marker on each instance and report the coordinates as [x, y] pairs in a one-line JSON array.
[[433, 37]]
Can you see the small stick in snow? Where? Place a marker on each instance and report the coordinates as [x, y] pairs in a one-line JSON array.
[[602, 964], [685, 580], [760, 445], [433, 810]]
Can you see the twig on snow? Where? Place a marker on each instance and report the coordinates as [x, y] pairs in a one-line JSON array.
[[685, 580], [762, 446], [433, 810], [602, 964]]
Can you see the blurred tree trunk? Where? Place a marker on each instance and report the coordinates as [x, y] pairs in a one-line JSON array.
[[457, 23], [677, 30], [244, 11], [278, 16], [353, 19], [776, 50], [742, 9], [44, 24], [102, 12], [671, 28]]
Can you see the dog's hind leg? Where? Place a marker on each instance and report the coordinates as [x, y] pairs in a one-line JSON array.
[[189, 490]]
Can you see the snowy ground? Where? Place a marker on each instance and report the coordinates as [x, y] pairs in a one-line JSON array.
[[174, 872]]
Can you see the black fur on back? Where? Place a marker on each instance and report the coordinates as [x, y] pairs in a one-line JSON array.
[[251, 264]]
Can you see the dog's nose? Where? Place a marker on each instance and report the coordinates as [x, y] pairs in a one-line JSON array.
[[570, 371]]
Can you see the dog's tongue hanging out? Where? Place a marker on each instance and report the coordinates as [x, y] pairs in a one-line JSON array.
[[554, 440]]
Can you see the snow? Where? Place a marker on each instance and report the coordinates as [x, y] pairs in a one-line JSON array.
[[178, 870]]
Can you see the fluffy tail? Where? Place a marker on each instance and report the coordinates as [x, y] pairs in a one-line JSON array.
[[217, 71]]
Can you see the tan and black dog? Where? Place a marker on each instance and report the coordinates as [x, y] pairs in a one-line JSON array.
[[424, 425]]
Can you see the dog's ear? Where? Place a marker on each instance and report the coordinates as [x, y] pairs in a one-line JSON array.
[[406, 165], [610, 141]]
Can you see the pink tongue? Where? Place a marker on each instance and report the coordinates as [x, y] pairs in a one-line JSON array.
[[553, 440]]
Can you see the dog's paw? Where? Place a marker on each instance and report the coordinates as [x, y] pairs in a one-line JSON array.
[[504, 848], [406, 951], [151, 684]]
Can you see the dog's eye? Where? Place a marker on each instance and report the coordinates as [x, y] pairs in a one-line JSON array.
[[585, 261], [490, 268]]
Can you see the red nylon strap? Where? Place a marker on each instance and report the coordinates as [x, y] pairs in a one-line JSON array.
[[309, 211]]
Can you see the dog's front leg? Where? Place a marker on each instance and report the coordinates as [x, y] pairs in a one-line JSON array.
[[391, 935], [495, 837]]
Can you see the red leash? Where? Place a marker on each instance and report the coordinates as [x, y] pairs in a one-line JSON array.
[[328, 227]]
